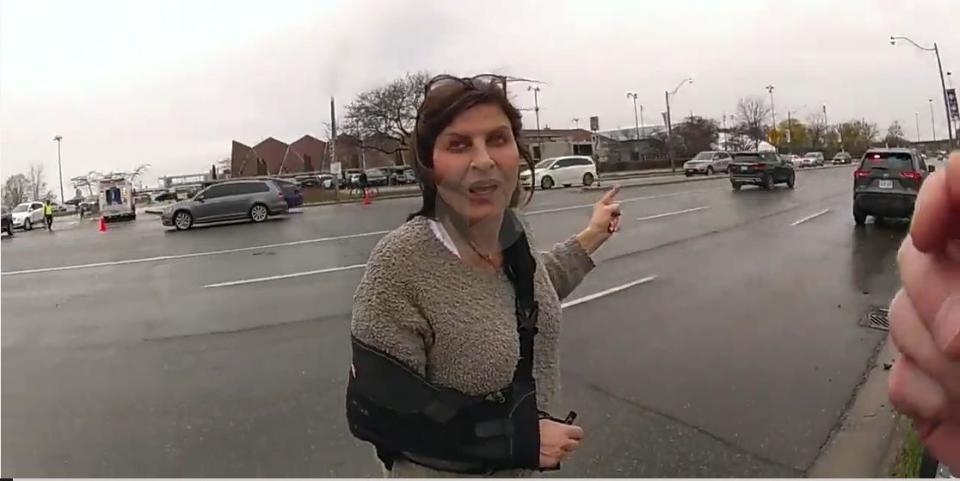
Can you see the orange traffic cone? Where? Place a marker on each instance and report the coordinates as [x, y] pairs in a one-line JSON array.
[[103, 225], [366, 198]]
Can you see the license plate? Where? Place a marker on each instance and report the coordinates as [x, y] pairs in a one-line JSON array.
[[886, 184], [744, 168]]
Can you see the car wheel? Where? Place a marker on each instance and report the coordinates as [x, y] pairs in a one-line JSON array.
[[10, 230], [792, 181], [27, 225], [736, 186], [709, 170], [182, 220], [259, 213], [688, 174], [546, 183], [588, 179], [859, 216], [768, 182]]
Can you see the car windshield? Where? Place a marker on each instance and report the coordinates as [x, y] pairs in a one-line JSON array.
[[748, 157], [22, 208], [704, 156], [811, 155], [888, 160], [545, 164]]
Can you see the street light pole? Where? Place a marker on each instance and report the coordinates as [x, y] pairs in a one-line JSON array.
[[773, 111], [916, 116], [666, 96], [536, 111], [933, 125], [943, 83], [57, 139], [636, 118]]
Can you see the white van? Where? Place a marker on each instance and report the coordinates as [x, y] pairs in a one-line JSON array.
[[117, 199]]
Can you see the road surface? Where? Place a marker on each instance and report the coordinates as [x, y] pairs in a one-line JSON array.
[[223, 351]]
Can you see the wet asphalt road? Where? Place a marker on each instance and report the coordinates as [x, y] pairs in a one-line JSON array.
[[164, 359]]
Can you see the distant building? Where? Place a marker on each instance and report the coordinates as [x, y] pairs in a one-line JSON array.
[[309, 154], [605, 147]]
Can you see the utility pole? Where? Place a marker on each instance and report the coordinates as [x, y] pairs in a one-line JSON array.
[[933, 124], [826, 125], [943, 84], [641, 118], [57, 139], [789, 132], [723, 128], [536, 111]]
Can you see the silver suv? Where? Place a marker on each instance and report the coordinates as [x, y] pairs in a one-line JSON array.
[[232, 200]]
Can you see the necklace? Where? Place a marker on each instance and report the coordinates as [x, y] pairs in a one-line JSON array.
[[488, 259]]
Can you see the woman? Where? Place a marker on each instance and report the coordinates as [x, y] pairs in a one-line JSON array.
[[456, 321]]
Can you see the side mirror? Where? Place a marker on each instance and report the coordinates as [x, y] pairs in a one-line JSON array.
[[931, 169], [199, 198], [554, 167]]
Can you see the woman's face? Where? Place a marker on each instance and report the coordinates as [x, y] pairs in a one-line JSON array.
[[476, 162]]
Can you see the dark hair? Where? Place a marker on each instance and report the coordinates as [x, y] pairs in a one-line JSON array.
[[442, 103]]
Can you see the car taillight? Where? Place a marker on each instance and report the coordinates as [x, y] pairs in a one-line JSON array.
[[860, 173], [759, 166], [280, 194], [911, 174]]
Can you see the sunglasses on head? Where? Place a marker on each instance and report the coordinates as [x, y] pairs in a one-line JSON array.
[[479, 82]]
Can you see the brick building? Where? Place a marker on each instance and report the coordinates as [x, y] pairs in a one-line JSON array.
[[309, 154]]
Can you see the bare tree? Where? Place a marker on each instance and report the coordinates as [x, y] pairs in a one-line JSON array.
[[751, 113], [895, 136], [816, 132], [388, 111], [35, 177], [15, 189]]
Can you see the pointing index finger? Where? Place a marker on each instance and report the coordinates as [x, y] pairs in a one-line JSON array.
[[608, 197]]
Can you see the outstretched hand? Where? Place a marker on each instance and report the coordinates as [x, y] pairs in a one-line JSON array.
[[604, 221], [925, 317]]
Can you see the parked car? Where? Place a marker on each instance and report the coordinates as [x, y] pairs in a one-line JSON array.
[[27, 214], [291, 192], [886, 184], [813, 159], [351, 178], [377, 177], [707, 162], [7, 223], [794, 159], [231, 200], [842, 158], [764, 169], [90, 205], [564, 171]]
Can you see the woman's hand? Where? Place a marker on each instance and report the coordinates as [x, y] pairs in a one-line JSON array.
[[925, 317], [603, 223], [557, 440]]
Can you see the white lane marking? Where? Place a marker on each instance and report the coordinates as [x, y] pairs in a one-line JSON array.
[[668, 214], [285, 276], [622, 201], [811, 216], [193, 254], [606, 292]]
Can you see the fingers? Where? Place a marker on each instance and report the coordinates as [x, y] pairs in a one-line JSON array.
[[937, 208], [914, 341], [574, 432], [608, 197], [929, 281], [944, 443], [913, 393]]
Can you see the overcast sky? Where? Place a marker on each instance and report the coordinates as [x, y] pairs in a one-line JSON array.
[[171, 83]]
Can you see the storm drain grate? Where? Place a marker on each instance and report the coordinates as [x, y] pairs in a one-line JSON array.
[[876, 318]]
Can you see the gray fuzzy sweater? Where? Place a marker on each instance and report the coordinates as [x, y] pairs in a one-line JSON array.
[[455, 323]]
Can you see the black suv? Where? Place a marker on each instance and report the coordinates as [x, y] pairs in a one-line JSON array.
[[887, 182], [764, 169]]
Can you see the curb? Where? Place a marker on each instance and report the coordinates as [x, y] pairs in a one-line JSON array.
[[860, 445]]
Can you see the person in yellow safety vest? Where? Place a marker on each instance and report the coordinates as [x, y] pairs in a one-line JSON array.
[[48, 214]]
